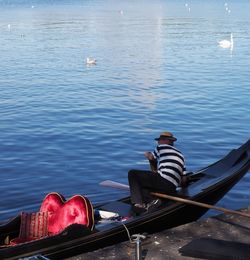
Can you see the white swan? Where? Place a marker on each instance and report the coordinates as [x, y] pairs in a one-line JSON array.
[[227, 43], [90, 61]]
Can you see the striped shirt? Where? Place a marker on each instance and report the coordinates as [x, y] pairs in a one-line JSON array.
[[170, 163]]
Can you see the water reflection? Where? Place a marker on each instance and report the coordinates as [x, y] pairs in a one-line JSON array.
[[66, 126]]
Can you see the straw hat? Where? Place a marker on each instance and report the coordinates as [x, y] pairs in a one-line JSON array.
[[166, 135]]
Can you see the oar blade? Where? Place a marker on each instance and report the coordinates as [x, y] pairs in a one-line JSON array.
[[114, 184]]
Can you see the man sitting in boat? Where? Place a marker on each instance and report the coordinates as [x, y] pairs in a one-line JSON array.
[[167, 170]]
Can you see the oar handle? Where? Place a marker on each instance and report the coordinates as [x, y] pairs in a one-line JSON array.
[[200, 204]]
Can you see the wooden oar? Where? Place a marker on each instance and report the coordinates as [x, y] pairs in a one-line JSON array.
[[196, 203], [119, 185]]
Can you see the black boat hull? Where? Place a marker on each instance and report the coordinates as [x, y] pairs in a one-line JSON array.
[[215, 181]]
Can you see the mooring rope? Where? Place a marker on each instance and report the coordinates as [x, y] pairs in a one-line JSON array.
[[129, 236]]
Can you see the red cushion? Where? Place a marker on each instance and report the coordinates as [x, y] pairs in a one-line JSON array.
[[18, 240], [61, 213], [52, 202], [33, 226]]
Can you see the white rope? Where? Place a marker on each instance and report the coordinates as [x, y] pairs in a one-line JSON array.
[[129, 236]]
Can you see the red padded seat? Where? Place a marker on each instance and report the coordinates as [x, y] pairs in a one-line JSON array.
[[62, 213], [33, 226], [54, 216]]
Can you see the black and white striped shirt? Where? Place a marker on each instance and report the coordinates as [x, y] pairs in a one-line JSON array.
[[170, 163]]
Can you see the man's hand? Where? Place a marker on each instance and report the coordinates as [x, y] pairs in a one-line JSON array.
[[152, 161], [149, 156]]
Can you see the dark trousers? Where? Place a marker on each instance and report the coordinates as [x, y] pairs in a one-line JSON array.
[[141, 183]]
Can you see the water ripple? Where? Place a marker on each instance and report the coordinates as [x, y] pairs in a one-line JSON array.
[[66, 126]]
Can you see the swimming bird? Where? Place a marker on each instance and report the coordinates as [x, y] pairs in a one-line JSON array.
[[227, 43], [90, 61]]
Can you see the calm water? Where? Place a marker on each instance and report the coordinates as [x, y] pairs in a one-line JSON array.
[[66, 126]]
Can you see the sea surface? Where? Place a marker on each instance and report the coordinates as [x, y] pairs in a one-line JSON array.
[[66, 126]]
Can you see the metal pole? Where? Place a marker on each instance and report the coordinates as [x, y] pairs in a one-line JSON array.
[[136, 238], [138, 250]]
